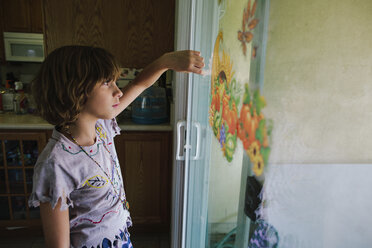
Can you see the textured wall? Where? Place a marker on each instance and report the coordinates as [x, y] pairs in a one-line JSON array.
[[318, 81]]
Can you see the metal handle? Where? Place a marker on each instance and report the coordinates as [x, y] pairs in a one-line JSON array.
[[179, 125], [198, 137]]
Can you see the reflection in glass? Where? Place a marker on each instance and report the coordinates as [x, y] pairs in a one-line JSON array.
[[28, 50], [4, 206], [29, 175], [2, 182], [15, 177], [13, 153], [30, 152], [19, 207]]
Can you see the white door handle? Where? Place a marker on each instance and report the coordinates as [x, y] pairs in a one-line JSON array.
[[198, 137], [179, 125]]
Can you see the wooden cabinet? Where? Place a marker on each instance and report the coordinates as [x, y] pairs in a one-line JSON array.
[[36, 16], [19, 16], [2, 51], [145, 159], [22, 16], [135, 32], [18, 155]]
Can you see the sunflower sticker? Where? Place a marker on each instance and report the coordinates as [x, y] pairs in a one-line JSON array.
[[254, 130], [223, 116], [249, 126]]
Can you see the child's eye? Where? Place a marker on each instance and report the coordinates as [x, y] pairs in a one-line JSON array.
[[107, 82]]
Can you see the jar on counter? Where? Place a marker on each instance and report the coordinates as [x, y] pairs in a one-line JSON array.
[[1, 100], [20, 100], [150, 107], [7, 100], [31, 105]]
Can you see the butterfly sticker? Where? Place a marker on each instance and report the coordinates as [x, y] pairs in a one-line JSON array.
[[248, 24]]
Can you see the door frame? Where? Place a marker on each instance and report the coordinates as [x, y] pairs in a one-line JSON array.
[[183, 19]]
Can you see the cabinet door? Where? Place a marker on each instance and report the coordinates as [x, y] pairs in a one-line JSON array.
[[135, 32], [22, 16], [16, 15], [36, 16], [2, 51], [19, 152], [145, 163]]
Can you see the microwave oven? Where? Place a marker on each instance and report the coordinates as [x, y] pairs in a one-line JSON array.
[[25, 47]]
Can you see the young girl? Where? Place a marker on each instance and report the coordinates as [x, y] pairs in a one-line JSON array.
[[77, 180]]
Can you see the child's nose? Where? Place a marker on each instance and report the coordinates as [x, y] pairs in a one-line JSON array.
[[118, 92]]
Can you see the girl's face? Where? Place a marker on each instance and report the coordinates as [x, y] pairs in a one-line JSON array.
[[103, 100]]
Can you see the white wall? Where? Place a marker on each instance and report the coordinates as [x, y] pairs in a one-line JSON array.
[[320, 205], [318, 81], [318, 90]]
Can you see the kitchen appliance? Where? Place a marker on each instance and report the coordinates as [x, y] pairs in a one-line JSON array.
[[24, 47], [150, 107]]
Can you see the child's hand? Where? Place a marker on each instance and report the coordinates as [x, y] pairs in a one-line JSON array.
[[184, 61]]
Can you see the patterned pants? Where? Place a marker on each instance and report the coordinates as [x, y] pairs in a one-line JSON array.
[[121, 241]]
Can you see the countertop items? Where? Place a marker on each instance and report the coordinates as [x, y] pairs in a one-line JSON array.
[[28, 121]]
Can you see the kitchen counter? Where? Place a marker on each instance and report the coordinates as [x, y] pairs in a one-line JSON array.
[[28, 121]]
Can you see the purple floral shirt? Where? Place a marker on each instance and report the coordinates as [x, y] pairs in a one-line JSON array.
[[63, 170]]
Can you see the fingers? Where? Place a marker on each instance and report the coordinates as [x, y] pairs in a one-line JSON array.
[[198, 60], [196, 70], [198, 63], [195, 67], [187, 61], [193, 52]]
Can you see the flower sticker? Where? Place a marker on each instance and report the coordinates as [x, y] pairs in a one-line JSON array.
[[254, 130]]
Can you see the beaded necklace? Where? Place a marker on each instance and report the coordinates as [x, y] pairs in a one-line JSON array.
[[123, 201]]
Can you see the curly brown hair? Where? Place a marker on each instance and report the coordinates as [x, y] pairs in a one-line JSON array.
[[67, 77]]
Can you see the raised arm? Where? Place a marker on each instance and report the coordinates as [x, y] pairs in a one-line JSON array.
[[181, 61], [56, 225]]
